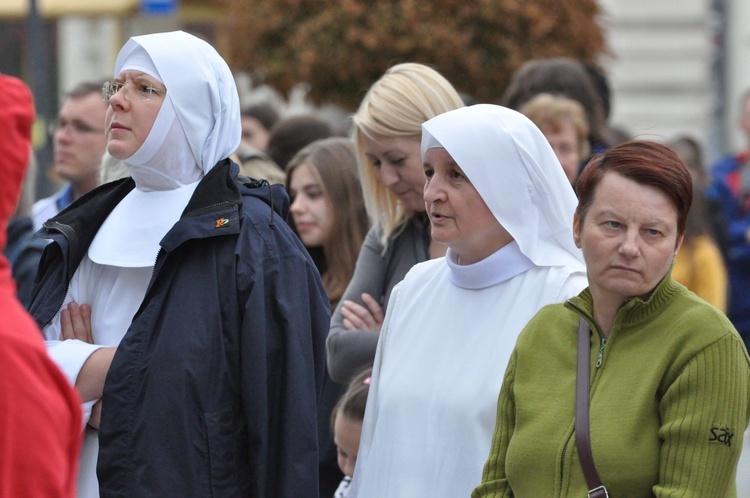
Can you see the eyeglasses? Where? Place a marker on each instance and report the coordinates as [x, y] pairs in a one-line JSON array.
[[77, 127], [142, 90]]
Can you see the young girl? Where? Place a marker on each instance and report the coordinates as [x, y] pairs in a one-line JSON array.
[[327, 210], [346, 423]]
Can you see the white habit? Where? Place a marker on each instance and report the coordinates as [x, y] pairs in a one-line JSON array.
[[437, 374], [450, 330]]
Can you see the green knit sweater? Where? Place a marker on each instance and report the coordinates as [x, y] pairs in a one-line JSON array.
[[670, 399]]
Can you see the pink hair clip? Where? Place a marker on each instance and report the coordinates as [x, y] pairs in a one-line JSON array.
[[367, 381]]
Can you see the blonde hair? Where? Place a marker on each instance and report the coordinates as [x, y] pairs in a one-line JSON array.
[[396, 105], [550, 110]]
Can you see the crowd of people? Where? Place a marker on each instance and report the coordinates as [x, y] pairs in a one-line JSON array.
[[451, 299]]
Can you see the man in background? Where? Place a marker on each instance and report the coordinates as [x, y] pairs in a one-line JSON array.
[[79, 143]]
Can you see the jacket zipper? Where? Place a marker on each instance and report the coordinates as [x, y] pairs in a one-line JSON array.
[[603, 343], [600, 356], [208, 209]]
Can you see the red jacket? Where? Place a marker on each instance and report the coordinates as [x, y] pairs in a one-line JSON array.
[[40, 418]]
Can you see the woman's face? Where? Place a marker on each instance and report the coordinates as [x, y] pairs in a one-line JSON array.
[[346, 434], [398, 166], [129, 118], [254, 134], [459, 216], [628, 238], [564, 142], [310, 209]]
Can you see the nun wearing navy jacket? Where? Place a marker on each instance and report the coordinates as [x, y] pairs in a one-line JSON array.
[[187, 314]]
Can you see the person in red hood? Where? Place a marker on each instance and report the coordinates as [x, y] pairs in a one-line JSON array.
[[40, 418]]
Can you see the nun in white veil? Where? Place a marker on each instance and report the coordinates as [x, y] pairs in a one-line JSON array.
[[498, 198], [174, 119]]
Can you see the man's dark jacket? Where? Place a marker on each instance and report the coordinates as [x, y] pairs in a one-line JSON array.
[[213, 389]]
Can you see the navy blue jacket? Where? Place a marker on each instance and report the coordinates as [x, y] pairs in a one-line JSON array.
[[213, 389]]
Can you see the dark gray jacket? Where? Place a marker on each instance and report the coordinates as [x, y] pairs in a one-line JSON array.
[[377, 272]]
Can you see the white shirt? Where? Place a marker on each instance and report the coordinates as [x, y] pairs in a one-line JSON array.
[[114, 294], [438, 370]]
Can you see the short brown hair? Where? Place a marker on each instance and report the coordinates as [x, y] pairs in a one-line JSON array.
[[86, 88], [644, 162], [266, 115]]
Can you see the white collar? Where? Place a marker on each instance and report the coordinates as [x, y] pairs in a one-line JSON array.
[[131, 234], [502, 265]]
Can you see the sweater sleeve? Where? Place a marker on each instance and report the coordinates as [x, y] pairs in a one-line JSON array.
[[349, 351], [494, 480], [704, 412]]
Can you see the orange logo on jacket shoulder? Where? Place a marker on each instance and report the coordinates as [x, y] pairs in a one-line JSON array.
[[221, 222]]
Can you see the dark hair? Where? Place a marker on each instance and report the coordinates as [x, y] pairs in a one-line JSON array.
[[264, 113], [291, 134], [699, 222], [646, 163], [86, 88], [601, 84], [353, 402], [559, 76], [690, 151]]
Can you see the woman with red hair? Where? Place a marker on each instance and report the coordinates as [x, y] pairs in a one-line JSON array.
[[662, 408]]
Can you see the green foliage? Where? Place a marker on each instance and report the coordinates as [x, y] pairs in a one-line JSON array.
[[340, 47]]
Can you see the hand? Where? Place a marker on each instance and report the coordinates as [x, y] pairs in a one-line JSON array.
[[358, 317], [96, 415], [75, 322]]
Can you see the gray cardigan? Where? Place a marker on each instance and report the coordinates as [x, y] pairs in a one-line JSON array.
[[377, 273]]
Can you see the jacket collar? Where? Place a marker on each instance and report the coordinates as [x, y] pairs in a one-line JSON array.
[[635, 311], [212, 210]]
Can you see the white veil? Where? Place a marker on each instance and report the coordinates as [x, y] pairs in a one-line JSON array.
[[513, 167]]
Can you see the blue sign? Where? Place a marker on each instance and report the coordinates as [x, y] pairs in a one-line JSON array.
[[158, 7]]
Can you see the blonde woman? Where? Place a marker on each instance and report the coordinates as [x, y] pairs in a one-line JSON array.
[[387, 132]]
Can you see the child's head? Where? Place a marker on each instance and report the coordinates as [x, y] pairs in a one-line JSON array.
[[346, 421]]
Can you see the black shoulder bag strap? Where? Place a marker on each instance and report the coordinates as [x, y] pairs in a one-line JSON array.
[[583, 439]]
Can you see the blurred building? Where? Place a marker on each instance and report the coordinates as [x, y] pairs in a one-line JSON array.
[[676, 66]]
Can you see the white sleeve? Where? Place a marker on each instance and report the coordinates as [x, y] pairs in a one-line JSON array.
[[371, 409], [70, 356]]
